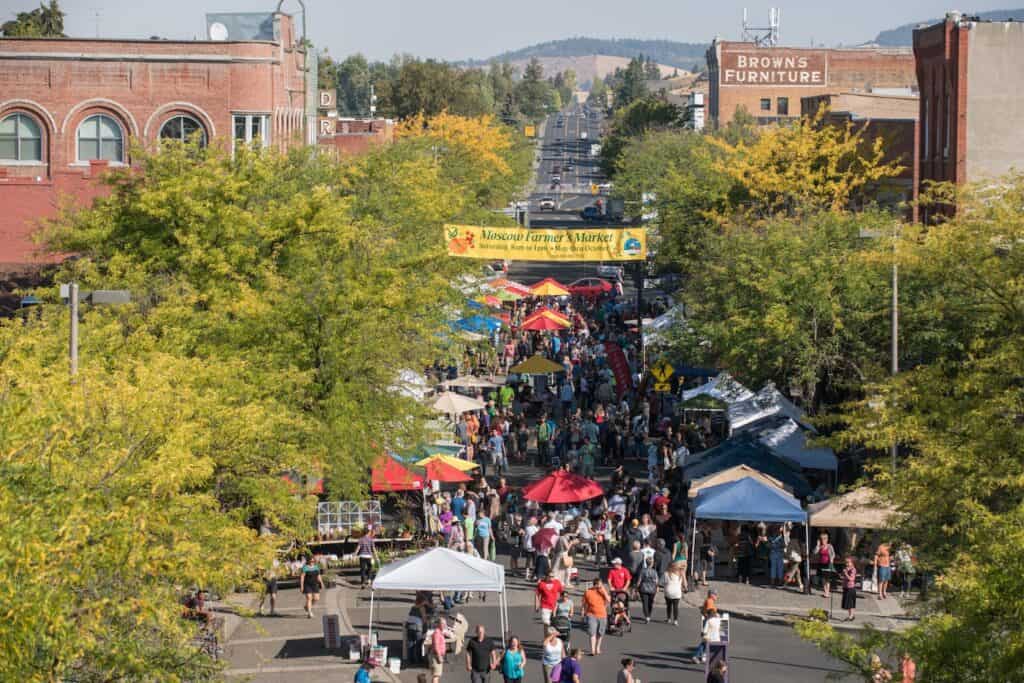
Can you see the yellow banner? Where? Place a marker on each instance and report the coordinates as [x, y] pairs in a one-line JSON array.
[[538, 244]]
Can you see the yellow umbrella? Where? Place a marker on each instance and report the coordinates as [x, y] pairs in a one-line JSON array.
[[549, 287], [457, 463], [536, 365]]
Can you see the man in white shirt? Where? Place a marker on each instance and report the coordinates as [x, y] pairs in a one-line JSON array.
[[528, 531], [553, 523]]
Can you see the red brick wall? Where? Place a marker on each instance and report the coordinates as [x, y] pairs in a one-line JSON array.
[[853, 69], [140, 84]]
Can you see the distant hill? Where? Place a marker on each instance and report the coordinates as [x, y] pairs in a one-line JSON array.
[[588, 67], [903, 36], [665, 52]]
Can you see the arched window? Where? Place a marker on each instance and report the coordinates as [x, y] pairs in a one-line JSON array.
[[100, 137], [20, 139], [183, 128]]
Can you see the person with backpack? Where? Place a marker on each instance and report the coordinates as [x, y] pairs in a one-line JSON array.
[[545, 430]]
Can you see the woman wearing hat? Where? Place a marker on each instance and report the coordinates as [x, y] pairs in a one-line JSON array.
[[553, 651]]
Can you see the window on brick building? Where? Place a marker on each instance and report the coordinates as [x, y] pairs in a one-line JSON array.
[[20, 139], [184, 129], [766, 104], [100, 137], [782, 106], [251, 127]]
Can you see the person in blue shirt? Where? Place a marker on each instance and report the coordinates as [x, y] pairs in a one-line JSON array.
[[513, 661], [556, 344], [458, 505], [363, 672], [483, 535]]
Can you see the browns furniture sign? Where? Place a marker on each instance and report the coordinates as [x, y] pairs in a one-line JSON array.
[[772, 68]]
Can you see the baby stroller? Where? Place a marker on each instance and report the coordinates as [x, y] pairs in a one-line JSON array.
[[619, 622], [563, 624]]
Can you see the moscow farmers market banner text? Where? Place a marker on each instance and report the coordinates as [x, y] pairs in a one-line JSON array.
[[526, 244]]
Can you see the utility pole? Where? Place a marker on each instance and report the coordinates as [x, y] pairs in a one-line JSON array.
[[73, 342], [895, 334]]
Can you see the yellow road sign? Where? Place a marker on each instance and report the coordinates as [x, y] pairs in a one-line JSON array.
[[530, 131], [662, 387], [662, 371]]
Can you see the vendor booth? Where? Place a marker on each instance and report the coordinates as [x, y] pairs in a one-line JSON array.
[[750, 500], [745, 449], [441, 569], [858, 509]]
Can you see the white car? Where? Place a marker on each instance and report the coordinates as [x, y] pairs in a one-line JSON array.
[[546, 204], [608, 270]]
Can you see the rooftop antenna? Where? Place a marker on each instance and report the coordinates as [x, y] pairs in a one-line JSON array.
[[96, 17], [767, 36]]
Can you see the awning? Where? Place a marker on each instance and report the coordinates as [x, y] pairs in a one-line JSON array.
[[734, 474], [549, 287], [536, 365], [389, 475], [744, 449], [440, 569], [452, 461], [858, 509], [766, 403], [748, 500], [787, 439], [439, 470], [721, 388]]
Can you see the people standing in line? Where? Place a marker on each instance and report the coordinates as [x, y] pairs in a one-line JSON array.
[[626, 672], [438, 649], [849, 578], [675, 586], [513, 661], [595, 607], [311, 582], [825, 555], [552, 652], [366, 551], [647, 586], [883, 566], [481, 656]]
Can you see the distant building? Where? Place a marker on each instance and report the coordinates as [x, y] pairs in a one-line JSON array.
[[693, 113], [769, 82], [972, 98], [890, 117], [69, 109], [351, 137]]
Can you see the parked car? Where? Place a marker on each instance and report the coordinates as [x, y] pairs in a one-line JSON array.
[[608, 270], [590, 287], [546, 204], [591, 213]]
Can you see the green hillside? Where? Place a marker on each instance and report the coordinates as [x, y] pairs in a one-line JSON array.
[[668, 52]]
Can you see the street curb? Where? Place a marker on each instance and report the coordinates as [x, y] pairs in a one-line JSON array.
[[784, 620]]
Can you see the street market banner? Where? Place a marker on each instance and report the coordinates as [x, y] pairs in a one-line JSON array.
[[541, 244]]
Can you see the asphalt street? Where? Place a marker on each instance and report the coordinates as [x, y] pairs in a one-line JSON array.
[[565, 154]]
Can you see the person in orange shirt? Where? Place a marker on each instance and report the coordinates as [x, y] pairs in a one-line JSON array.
[[883, 566], [595, 607]]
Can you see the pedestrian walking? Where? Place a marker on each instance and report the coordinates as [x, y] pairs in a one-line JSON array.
[[481, 656], [482, 541], [553, 651], [595, 607], [546, 597], [718, 672], [572, 672], [647, 586], [849, 577], [626, 672], [675, 586], [311, 582], [513, 661], [438, 649], [270, 589], [366, 551]]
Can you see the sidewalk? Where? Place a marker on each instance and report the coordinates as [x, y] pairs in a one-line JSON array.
[[289, 646], [776, 606]]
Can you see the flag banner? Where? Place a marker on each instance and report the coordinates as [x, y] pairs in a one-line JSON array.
[[544, 244]]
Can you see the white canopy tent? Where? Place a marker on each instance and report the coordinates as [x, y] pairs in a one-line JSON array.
[[412, 384], [789, 440], [721, 387], [441, 569], [768, 402]]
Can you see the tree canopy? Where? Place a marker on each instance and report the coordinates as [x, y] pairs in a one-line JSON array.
[[46, 21]]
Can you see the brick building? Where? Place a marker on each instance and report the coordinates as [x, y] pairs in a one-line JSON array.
[[70, 108], [890, 117], [972, 98], [351, 137], [770, 81]]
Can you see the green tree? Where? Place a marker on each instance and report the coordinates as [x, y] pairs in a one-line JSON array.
[[533, 93], [649, 113], [46, 21], [353, 83], [630, 83]]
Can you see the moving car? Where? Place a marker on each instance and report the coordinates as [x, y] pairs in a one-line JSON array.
[[590, 287], [546, 204]]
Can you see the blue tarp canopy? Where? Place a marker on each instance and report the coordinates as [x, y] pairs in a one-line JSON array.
[[748, 499], [478, 323], [745, 449]]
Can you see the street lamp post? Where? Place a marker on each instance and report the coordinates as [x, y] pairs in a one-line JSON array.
[[99, 297]]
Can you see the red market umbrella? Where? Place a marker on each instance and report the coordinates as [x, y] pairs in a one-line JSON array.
[[543, 323], [544, 539], [562, 487], [548, 313], [549, 286], [389, 475], [439, 470]]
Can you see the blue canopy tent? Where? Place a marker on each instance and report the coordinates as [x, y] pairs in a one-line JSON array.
[[746, 449], [750, 500], [481, 324]]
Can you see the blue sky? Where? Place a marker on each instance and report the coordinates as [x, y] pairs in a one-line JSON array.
[[459, 29]]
